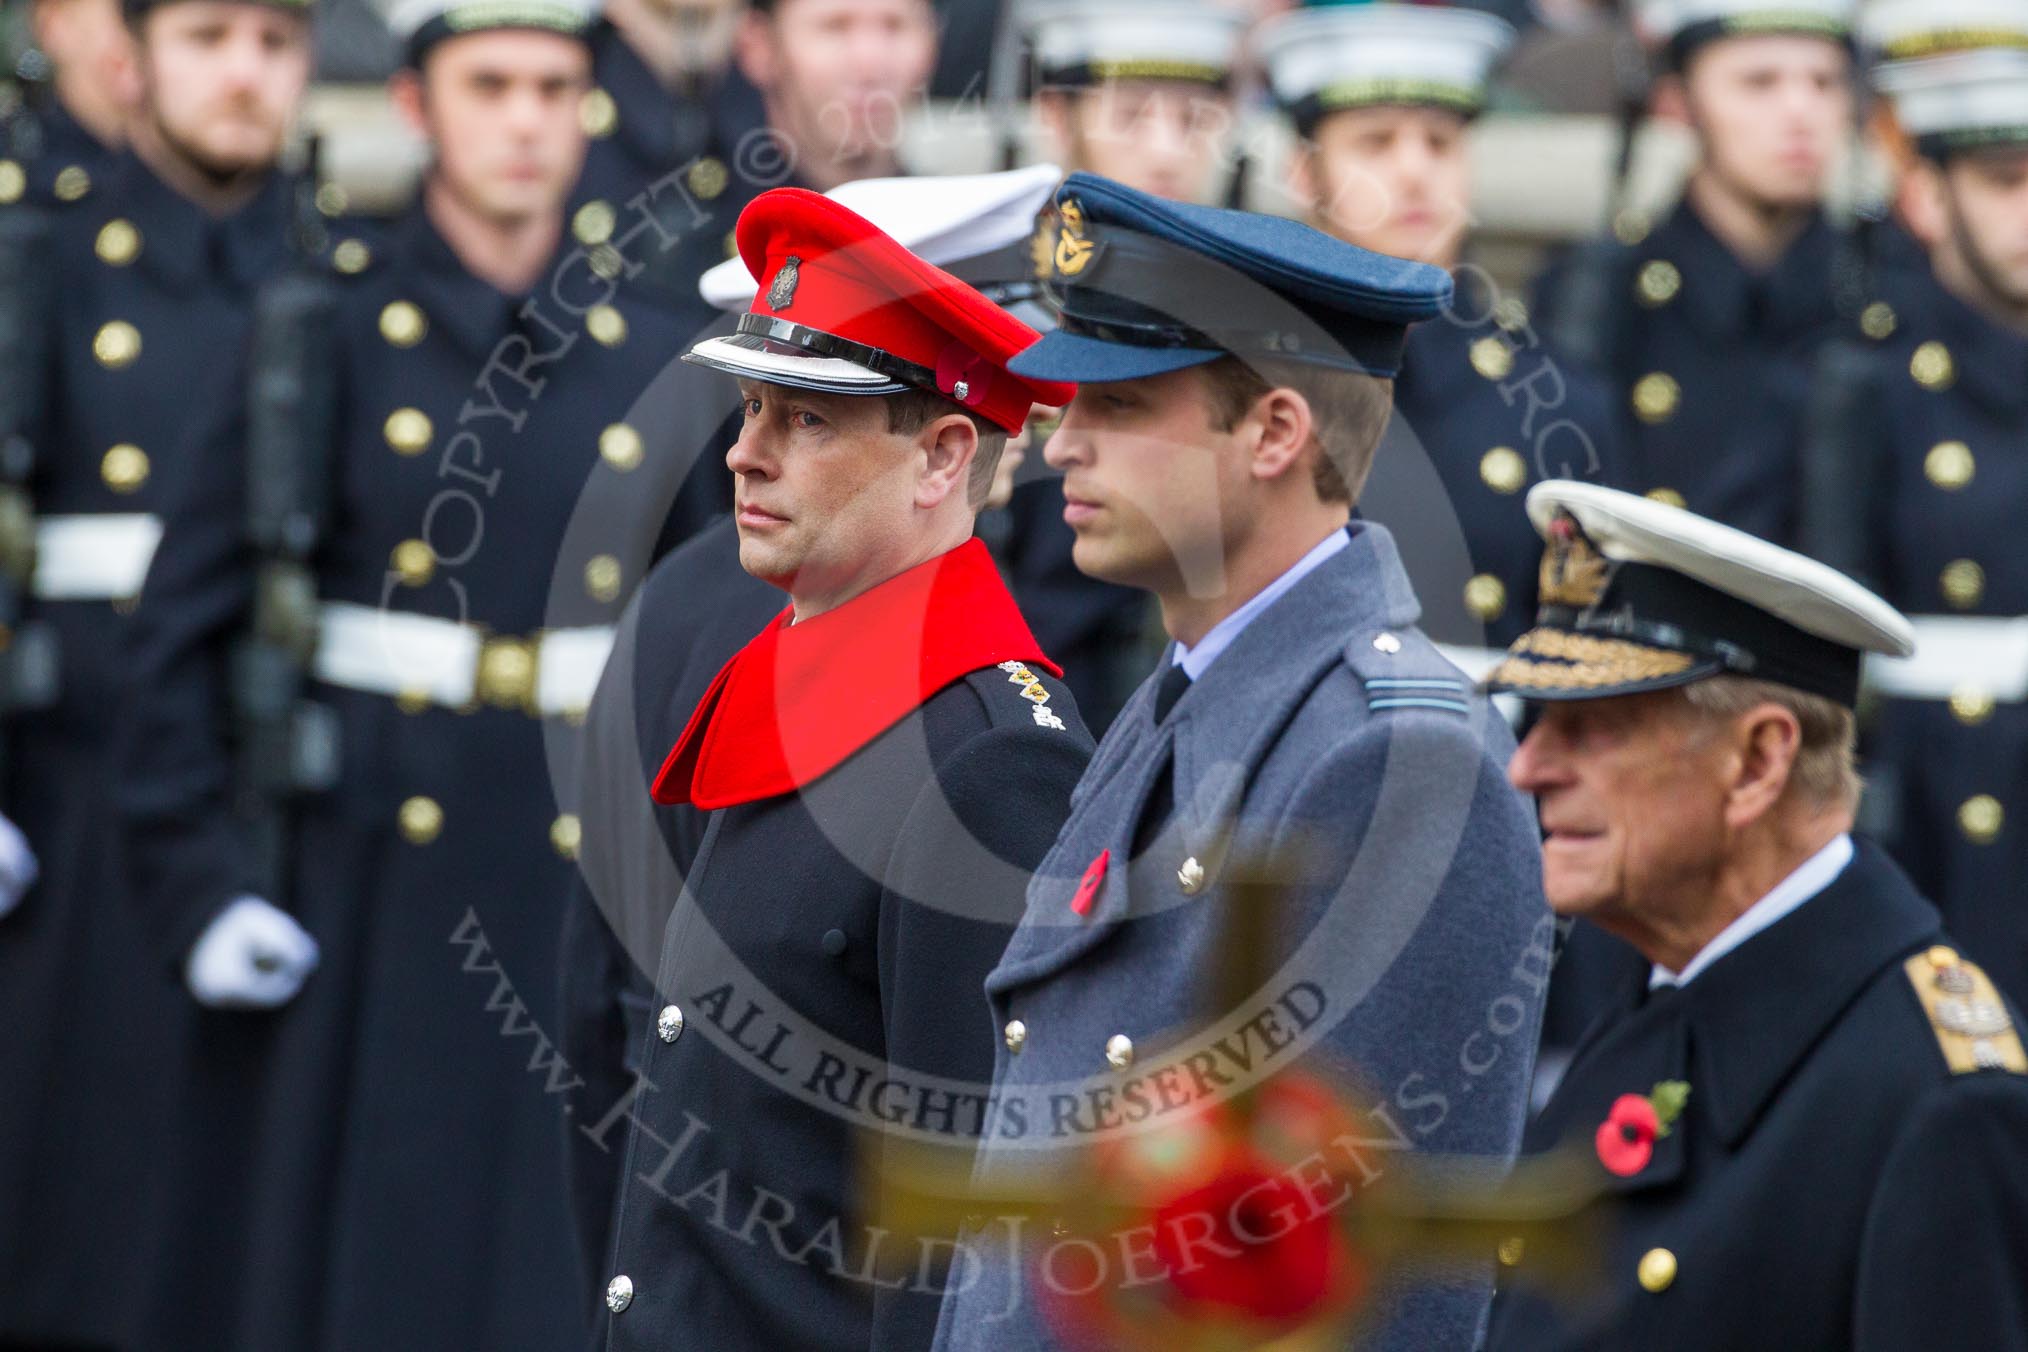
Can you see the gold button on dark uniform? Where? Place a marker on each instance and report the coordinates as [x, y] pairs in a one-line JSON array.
[[421, 820], [606, 261], [1492, 358], [602, 578], [402, 323], [1656, 396], [1949, 465], [1190, 877], [597, 113], [1878, 320], [1658, 282], [1932, 366], [1963, 583], [1981, 818], [124, 467], [593, 223], [620, 447], [1511, 1251], [1668, 497], [351, 256], [414, 562], [1119, 1051], [332, 199], [116, 344], [1503, 469], [407, 431], [13, 181], [1657, 1270], [707, 178], [1970, 705], [72, 182], [566, 833], [1486, 597], [606, 325], [1015, 1034], [119, 242]]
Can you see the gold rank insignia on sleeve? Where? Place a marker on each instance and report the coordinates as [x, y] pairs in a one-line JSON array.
[[1966, 1013]]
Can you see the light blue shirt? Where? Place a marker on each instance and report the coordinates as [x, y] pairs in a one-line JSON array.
[[1196, 660], [1815, 874]]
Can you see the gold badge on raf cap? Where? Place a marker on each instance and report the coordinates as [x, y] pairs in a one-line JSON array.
[[1638, 595]]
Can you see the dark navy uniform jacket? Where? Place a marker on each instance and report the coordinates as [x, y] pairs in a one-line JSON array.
[[1844, 1175], [1709, 362], [151, 292], [820, 974], [699, 159], [1930, 473], [68, 163], [380, 1164], [693, 611], [1485, 409]]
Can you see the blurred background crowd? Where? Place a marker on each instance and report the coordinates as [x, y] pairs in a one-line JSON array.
[[286, 293]]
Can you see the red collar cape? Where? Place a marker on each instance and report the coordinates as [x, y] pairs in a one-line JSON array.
[[799, 700]]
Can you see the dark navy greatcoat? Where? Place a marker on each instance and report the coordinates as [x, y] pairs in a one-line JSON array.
[[1836, 1180], [1485, 406], [150, 291], [1708, 361], [1931, 473], [379, 1163]]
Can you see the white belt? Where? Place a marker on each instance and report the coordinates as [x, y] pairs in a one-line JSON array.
[[1956, 654], [95, 557], [420, 657]]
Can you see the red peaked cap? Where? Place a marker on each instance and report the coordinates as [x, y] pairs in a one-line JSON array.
[[852, 281]]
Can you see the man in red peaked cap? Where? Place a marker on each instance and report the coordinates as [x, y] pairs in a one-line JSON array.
[[883, 766]]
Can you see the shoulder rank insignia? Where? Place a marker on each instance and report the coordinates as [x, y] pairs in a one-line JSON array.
[[1969, 1018], [784, 289], [1035, 692]]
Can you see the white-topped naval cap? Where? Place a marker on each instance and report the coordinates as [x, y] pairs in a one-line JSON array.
[[941, 220], [411, 20], [1668, 20], [1345, 56], [1977, 97], [1899, 30], [1084, 41], [1813, 597]]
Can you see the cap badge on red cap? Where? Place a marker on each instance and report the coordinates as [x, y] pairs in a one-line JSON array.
[[784, 289]]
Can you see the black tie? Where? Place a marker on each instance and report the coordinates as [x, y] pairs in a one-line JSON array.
[[1174, 682]]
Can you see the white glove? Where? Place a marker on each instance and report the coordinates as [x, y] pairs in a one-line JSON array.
[[18, 869], [251, 956]]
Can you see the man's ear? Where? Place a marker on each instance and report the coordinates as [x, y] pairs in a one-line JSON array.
[[405, 92], [753, 50], [1054, 112], [947, 446], [1925, 203], [1669, 100], [1766, 740], [1304, 182], [1286, 429]]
